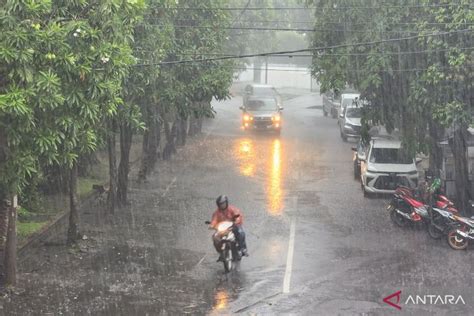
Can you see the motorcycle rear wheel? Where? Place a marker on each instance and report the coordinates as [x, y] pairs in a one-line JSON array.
[[434, 232], [457, 242]]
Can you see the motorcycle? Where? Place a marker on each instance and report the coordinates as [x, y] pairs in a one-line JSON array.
[[405, 209], [442, 221], [462, 232], [230, 249]]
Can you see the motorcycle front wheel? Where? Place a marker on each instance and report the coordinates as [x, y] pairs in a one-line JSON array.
[[456, 242], [397, 218], [227, 260], [434, 232]]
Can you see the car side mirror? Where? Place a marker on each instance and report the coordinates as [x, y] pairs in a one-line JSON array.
[[341, 115], [280, 108], [242, 108], [418, 160], [354, 148], [207, 222]]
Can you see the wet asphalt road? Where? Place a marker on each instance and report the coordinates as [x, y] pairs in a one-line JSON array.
[[298, 196]]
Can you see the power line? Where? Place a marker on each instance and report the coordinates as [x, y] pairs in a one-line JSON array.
[[308, 70], [315, 49], [333, 22], [279, 29], [327, 54], [241, 13], [313, 8]]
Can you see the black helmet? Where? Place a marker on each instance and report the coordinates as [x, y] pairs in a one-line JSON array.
[[222, 200]]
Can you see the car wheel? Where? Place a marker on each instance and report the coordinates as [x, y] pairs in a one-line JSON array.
[[343, 136], [356, 170], [366, 194]]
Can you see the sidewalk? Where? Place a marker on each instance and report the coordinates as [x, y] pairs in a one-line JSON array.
[[124, 261]]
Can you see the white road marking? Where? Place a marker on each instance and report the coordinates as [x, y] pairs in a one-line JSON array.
[[291, 249], [289, 258], [168, 187]]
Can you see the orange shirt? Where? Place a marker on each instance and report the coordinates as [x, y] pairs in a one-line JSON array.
[[227, 215]]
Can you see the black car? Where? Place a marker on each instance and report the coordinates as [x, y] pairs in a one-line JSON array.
[[262, 113], [261, 90]]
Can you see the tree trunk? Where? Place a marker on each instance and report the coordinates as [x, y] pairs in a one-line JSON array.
[[150, 148], [3, 221], [171, 135], [436, 153], [11, 245], [126, 134], [459, 149], [182, 131], [257, 72], [73, 230], [112, 195]]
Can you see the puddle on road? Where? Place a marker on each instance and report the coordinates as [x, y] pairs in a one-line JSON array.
[[263, 160]]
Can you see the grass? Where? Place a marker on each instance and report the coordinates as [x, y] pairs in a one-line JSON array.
[[84, 186], [26, 229]]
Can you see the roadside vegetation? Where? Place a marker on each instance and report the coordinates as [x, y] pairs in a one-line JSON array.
[[413, 62], [79, 78]]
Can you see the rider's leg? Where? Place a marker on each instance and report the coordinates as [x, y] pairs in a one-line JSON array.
[[240, 235]]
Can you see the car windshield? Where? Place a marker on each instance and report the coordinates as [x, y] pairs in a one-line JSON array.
[[389, 155], [261, 105], [263, 91], [354, 113], [347, 102]]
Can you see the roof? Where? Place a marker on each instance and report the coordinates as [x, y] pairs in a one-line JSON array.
[[386, 143], [350, 95], [261, 97], [258, 85]]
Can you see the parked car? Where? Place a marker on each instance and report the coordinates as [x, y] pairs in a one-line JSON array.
[[261, 90], [347, 99], [360, 154], [331, 103], [349, 121], [262, 113], [385, 167]]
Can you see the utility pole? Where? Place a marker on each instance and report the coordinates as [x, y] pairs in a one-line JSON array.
[[266, 69]]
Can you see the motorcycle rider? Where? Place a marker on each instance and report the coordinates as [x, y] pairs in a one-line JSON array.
[[227, 212]]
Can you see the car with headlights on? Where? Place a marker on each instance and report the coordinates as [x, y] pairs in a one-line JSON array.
[[262, 113]]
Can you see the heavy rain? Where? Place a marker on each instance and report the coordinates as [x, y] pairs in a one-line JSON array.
[[254, 157]]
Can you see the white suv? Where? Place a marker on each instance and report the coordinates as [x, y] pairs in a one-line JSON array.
[[385, 167]]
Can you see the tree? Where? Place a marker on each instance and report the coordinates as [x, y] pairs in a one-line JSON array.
[[419, 85], [62, 66]]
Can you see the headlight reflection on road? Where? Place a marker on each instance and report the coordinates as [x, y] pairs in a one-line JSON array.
[[221, 300], [274, 188], [246, 157]]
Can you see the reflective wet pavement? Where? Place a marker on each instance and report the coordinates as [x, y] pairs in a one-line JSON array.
[[156, 257]]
